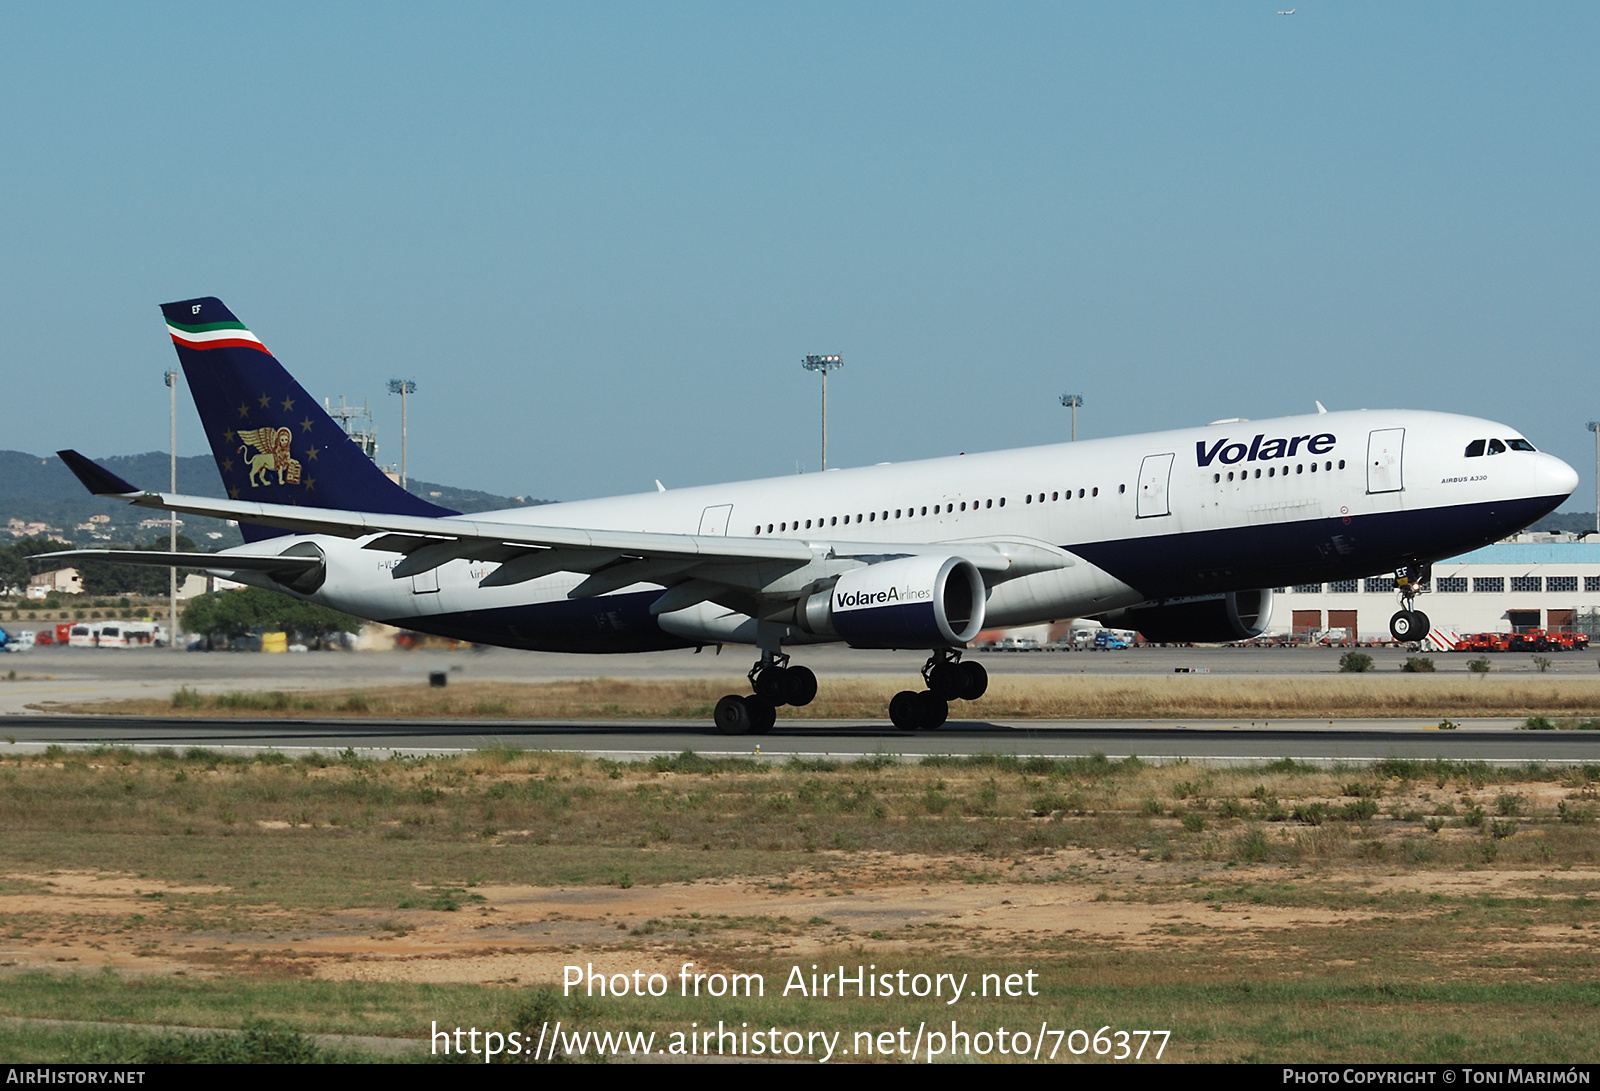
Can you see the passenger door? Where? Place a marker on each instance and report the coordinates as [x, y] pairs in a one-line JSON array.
[[1155, 474], [714, 521], [425, 592], [1385, 449]]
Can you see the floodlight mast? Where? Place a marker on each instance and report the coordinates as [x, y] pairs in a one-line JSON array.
[[823, 364], [1594, 426], [1072, 401], [402, 387], [170, 377]]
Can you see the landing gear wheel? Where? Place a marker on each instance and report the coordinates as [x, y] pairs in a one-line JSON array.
[[799, 686], [1424, 626], [1408, 625], [769, 683], [945, 680], [732, 715], [974, 681], [950, 678], [763, 714], [905, 711], [932, 711]]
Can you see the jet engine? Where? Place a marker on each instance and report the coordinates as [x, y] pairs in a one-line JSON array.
[[1213, 619], [914, 602]]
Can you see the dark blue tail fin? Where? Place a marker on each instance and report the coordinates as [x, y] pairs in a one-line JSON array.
[[272, 441]]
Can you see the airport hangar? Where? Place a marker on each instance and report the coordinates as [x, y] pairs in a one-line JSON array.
[[1530, 582]]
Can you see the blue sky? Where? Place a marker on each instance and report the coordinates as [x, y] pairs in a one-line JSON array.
[[600, 237]]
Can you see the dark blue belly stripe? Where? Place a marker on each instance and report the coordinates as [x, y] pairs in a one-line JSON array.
[[607, 623], [1310, 551]]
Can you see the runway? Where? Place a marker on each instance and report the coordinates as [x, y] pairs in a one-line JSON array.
[[1348, 740], [77, 675]]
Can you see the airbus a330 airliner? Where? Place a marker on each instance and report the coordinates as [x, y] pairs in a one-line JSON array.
[[1180, 535]]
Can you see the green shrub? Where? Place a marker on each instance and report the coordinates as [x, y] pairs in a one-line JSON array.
[[1253, 845], [1479, 665], [1537, 723], [1359, 811], [1312, 814], [1574, 815], [1418, 664], [1355, 662], [256, 1044]]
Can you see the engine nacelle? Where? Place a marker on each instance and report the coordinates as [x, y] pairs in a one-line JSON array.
[[1215, 619], [917, 602]]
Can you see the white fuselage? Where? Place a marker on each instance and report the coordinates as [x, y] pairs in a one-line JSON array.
[[1228, 506]]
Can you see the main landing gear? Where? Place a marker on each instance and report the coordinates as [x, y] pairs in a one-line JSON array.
[[775, 683], [1410, 624], [948, 679]]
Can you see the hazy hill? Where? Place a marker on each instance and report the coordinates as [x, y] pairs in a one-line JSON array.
[[1571, 522], [41, 488]]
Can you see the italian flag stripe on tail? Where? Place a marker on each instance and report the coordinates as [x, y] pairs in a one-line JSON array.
[[214, 335]]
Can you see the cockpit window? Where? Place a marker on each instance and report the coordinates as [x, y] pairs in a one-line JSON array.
[[1520, 445], [1475, 448], [1496, 447]]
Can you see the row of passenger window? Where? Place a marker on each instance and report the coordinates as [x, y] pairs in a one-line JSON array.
[[1039, 498], [1272, 471], [874, 517], [790, 525], [1457, 585]]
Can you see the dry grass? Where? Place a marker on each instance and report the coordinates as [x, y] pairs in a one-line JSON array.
[[1404, 910], [1073, 697], [687, 818]]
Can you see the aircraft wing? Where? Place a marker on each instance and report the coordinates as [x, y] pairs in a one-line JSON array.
[[696, 567]]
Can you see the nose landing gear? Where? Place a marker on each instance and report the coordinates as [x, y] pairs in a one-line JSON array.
[[948, 679], [1410, 624], [775, 683]]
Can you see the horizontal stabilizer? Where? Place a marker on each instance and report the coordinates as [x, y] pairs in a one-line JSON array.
[[96, 478], [211, 562]]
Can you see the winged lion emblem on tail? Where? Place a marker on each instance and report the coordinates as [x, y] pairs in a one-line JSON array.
[[272, 455]]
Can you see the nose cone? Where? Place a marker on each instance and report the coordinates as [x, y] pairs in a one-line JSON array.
[[1553, 477]]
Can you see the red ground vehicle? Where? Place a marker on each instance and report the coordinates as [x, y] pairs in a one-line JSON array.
[[1527, 640], [1539, 640], [56, 635]]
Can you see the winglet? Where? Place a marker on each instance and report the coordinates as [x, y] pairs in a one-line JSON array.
[[97, 479]]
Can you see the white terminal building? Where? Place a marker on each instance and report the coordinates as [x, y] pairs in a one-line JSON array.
[[1536, 581]]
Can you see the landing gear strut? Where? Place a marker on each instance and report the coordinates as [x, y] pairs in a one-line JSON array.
[[1410, 624], [948, 679], [775, 683]]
